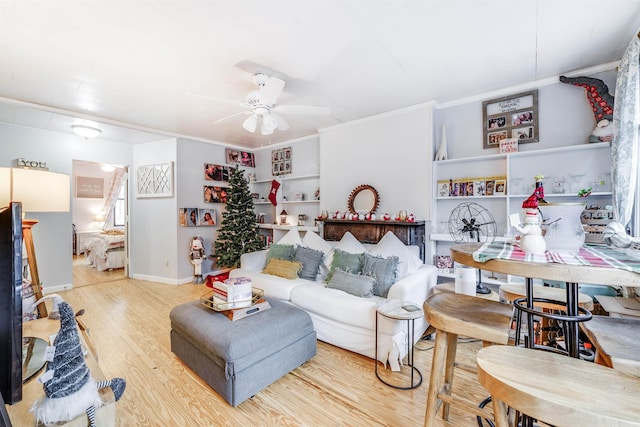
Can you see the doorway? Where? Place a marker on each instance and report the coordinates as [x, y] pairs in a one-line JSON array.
[[100, 226]]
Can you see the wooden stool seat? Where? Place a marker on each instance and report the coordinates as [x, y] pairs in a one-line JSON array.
[[453, 315], [556, 389], [616, 341], [511, 292]]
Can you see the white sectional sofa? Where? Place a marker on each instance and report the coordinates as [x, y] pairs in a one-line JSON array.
[[341, 318]]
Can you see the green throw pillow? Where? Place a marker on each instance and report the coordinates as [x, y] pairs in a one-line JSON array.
[[383, 269], [345, 261], [280, 251], [310, 259], [355, 284]]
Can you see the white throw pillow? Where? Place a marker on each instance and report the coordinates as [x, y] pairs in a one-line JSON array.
[[348, 243], [291, 238], [390, 245], [313, 241]]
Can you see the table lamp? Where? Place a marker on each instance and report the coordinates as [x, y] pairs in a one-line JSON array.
[[38, 191]]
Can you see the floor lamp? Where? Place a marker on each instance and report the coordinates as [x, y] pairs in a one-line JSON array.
[[38, 191]]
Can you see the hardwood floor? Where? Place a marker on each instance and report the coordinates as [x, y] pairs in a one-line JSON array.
[[129, 324], [84, 274]]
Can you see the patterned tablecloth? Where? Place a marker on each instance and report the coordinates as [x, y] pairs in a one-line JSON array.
[[596, 256]]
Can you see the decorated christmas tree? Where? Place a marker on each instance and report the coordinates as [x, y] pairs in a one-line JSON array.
[[239, 231]]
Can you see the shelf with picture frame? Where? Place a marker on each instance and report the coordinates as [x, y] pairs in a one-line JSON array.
[[566, 170]]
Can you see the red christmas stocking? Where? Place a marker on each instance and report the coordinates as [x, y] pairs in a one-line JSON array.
[[274, 190]]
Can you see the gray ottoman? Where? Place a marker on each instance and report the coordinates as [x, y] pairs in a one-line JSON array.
[[238, 359]]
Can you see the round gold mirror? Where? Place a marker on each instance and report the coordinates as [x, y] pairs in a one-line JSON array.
[[363, 199]]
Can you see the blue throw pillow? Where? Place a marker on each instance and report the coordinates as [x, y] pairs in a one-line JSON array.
[[383, 269], [310, 259], [355, 284]]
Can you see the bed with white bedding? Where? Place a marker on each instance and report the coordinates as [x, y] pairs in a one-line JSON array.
[[105, 251]]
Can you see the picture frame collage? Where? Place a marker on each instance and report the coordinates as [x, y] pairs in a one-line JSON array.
[[281, 161], [215, 193], [472, 187], [514, 116]]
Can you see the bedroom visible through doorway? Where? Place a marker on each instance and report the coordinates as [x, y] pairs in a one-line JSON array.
[[99, 214]]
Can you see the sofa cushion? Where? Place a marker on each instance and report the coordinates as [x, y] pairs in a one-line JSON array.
[[291, 238], [390, 245], [383, 269], [280, 251], [348, 243], [283, 268], [345, 261], [310, 259], [273, 286], [313, 241], [354, 284]]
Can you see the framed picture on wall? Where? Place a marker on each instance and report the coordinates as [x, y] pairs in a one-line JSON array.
[[188, 217], [281, 161], [215, 194], [88, 187], [207, 217], [513, 116]]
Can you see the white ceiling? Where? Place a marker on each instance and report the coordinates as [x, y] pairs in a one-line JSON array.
[[134, 63]]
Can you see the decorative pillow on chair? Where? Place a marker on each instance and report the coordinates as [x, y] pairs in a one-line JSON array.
[[383, 269], [310, 260], [280, 251], [279, 267], [345, 261], [355, 284]]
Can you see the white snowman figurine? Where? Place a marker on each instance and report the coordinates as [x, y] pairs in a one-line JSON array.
[[531, 241], [197, 257]]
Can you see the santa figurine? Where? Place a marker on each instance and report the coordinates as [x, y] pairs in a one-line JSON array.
[[197, 257]]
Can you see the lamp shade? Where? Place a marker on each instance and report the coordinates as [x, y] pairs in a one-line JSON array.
[[38, 190]]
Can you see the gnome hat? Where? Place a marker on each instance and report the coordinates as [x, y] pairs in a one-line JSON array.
[[597, 94], [68, 386]]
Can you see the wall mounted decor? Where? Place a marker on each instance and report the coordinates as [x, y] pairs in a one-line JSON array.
[[154, 180], [236, 157], [88, 187], [215, 194], [514, 116], [213, 172], [281, 161]]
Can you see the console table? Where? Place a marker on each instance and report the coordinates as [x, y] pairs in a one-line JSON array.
[[410, 233]]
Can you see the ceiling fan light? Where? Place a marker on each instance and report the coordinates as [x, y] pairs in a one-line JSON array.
[[250, 124], [269, 122], [86, 131]]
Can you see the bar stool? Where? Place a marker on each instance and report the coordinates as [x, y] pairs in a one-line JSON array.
[[452, 315], [565, 392]]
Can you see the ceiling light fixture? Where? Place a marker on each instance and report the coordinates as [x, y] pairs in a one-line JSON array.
[[86, 131]]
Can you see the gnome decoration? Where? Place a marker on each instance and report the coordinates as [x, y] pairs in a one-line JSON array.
[[601, 103], [68, 386]]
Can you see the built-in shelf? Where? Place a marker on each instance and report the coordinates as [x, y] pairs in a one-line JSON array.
[[288, 202]]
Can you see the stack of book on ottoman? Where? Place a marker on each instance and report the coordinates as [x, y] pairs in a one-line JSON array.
[[235, 298]]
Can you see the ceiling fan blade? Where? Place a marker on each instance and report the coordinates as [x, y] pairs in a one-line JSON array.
[[231, 115], [216, 99], [270, 92], [306, 110], [282, 124]]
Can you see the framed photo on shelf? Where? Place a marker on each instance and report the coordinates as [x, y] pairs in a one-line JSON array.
[[237, 157], [513, 116], [500, 187]]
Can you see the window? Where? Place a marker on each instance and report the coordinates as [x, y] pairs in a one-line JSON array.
[[119, 209]]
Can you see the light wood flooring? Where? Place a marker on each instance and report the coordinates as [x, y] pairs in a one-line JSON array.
[[129, 325], [84, 274]]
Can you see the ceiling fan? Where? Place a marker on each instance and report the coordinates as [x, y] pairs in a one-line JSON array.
[[263, 109]]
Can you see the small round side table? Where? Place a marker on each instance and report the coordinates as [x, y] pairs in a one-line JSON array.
[[401, 310]]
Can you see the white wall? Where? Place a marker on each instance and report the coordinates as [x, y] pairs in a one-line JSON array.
[[191, 158], [52, 236], [154, 221], [391, 152], [565, 119]]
